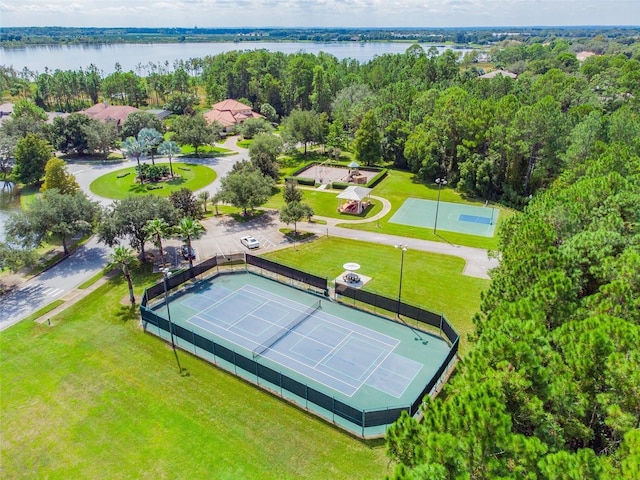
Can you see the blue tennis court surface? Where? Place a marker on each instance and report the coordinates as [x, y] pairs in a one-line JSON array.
[[474, 219], [276, 336], [452, 217], [332, 351]]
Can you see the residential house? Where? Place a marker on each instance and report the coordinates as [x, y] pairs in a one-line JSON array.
[[230, 113], [105, 112]]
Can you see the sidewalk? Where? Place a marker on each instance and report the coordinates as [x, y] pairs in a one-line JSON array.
[[74, 296]]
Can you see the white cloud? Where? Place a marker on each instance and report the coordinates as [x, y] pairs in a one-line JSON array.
[[322, 13]]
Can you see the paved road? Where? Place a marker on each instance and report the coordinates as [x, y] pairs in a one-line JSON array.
[[53, 284], [85, 262], [87, 172], [222, 237]]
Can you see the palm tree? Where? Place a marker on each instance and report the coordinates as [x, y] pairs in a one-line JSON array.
[[157, 229], [149, 137], [124, 257], [189, 229], [169, 149], [204, 197], [134, 148]]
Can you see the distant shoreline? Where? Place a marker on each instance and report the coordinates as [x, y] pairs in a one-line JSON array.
[[12, 37]]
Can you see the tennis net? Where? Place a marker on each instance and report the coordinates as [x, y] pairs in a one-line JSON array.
[[260, 349]]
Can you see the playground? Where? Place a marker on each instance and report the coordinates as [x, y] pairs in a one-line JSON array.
[[324, 173]]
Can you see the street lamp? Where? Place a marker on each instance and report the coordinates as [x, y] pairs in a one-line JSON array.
[[440, 182], [165, 274], [403, 248]]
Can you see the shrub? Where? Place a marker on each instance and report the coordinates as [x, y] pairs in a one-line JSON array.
[[339, 185], [377, 179], [156, 172], [305, 181]]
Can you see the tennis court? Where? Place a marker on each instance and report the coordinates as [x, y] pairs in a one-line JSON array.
[[348, 357], [452, 217]]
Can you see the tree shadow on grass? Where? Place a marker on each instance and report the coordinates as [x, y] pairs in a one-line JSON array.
[[177, 181], [138, 188], [128, 312]]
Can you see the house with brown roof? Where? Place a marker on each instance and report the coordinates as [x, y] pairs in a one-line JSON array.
[[230, 113], [109, 113]]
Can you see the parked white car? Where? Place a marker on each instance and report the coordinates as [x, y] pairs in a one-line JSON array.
[[250, 242]]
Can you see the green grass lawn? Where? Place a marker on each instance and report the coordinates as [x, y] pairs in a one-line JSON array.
[[400, 185], [121, 183], [430, 280], [28, 194], [206, 151], [92, 396], [324, 204]]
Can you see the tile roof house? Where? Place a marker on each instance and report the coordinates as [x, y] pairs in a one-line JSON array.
[[230, 113], [105, 112]]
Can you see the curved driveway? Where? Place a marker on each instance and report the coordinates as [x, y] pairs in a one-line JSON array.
[[86, 172], [60, 281]]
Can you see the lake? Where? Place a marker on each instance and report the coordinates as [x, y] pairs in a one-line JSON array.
[[129, 56], [9, 202]]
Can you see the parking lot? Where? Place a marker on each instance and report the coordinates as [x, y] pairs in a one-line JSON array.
[[223, 237]]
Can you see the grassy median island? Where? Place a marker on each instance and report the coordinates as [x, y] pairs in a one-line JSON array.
[[94, 397], [122, 183]]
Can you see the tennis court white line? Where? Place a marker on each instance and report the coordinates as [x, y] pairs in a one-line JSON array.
[[239, 319], [291, 366], [362, 382], [269, 298], [332, 351], [378, 366], [393, 341], [408, 380], [355, 387]]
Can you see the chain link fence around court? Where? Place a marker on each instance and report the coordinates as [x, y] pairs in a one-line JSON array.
[[213, 266], [277, 381]]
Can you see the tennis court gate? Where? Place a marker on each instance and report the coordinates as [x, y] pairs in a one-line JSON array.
[[358, 417]]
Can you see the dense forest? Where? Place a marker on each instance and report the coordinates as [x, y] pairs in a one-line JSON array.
[[551, 388]]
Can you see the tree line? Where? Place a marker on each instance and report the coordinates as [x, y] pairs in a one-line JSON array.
[[551, 388], [498, 139], [14, 37]]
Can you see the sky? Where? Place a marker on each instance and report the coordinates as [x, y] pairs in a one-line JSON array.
[[316, 13]]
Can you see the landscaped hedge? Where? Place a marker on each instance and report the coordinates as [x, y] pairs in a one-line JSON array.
[[382, 172], [300, 180], [303, 168], [378, 178]]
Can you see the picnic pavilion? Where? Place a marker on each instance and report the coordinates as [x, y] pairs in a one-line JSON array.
[[354, 200]]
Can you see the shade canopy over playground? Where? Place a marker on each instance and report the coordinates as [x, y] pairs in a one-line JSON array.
[[354, 199]]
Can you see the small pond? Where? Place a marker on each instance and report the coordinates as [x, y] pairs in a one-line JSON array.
[[9, 202]]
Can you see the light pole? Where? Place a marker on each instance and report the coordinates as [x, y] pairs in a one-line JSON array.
[[440, 182], [403, 248], [165, 273]]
